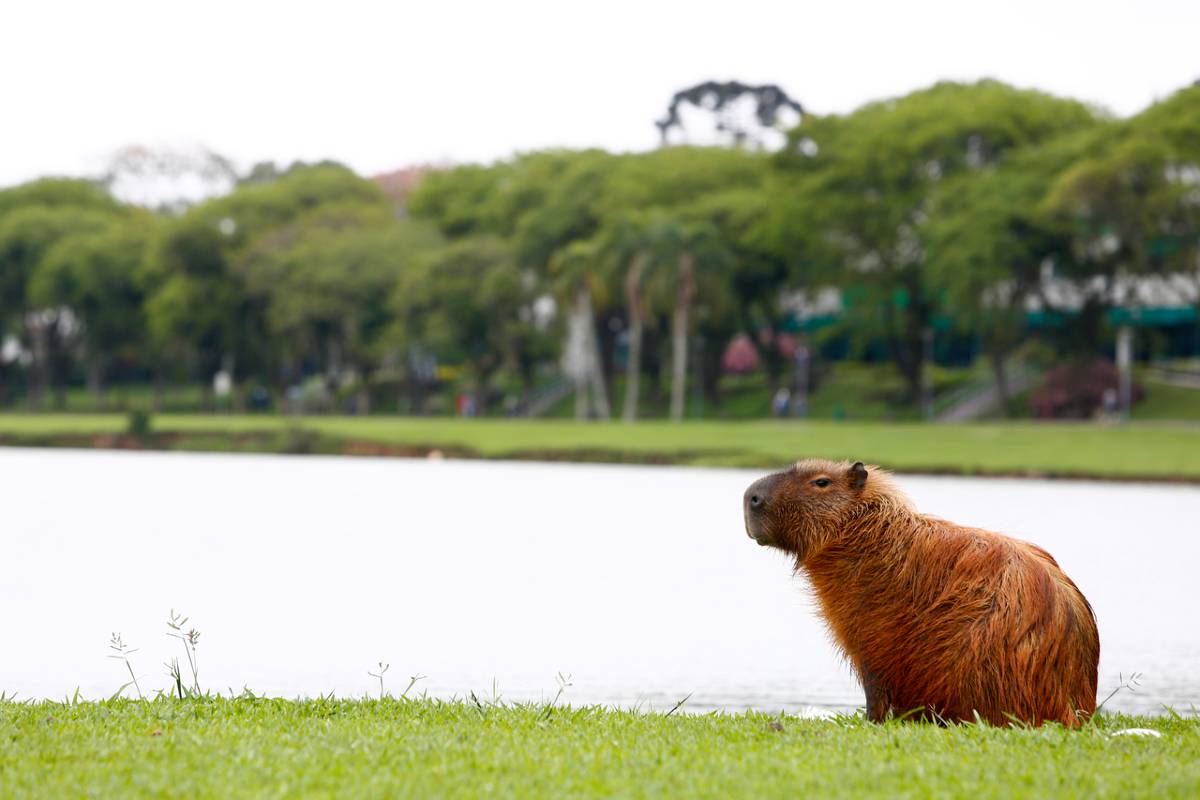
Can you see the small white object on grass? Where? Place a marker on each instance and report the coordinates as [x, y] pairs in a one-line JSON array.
[[1138, 732]]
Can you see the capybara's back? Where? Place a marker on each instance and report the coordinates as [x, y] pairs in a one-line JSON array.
[[951, 622]]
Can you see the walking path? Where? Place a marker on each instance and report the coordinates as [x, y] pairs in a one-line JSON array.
[[977, 400]]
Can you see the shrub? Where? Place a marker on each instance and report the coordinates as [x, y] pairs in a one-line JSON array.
[[1075, 390], [138, 423]]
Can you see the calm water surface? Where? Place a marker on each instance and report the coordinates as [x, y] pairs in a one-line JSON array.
[[640, 583]]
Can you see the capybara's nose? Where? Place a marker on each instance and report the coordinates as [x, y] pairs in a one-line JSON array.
[[759, 493], [756, 498]]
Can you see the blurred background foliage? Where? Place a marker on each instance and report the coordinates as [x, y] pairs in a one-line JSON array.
[[955, 246]]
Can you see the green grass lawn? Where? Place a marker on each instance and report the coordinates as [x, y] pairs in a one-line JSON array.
[[252, 747], [845, 390], [1166, 401], [849, 390], [1149, 450]]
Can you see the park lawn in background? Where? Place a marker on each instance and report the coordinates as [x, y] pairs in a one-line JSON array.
[[212, 747], [1167, 401], [1158, 451], [850, 390]]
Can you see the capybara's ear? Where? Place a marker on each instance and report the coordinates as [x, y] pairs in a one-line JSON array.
[[858, 475]]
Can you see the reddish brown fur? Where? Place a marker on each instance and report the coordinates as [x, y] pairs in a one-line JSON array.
[[931, 615]]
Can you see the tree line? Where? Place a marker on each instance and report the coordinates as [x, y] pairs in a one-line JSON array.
[[957, 203]]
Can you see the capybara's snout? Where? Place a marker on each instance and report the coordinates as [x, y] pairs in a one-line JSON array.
[[755, 502]]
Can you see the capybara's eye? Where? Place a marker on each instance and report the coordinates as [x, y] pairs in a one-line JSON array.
[[821, 482]]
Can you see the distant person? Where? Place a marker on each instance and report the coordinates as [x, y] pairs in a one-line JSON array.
[[1108, 403], [260, 399], [781, 402]]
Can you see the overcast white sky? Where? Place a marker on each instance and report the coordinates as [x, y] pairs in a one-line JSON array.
[[382, 85]]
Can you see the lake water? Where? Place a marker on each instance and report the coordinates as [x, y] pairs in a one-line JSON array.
[[639, 582]]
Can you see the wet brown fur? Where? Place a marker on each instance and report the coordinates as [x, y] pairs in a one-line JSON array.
[[951, 620]]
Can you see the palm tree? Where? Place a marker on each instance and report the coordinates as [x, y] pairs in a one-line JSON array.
[[578, 276], [696, 252], [629, 244], [635, 314], [685, 293]]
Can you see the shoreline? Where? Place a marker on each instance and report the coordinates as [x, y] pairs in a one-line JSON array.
[[306, 441]]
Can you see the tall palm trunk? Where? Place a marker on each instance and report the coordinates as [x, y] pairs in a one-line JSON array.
[[578, 352], [633, 366], [684, 292], [590, 389]]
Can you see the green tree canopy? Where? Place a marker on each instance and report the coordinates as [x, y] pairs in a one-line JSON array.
[[469, 302], [861, 186], [201, 301]]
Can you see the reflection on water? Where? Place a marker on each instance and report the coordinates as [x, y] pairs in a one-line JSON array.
[[639, 582]]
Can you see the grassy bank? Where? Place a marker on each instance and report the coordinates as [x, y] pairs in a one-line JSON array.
[[1165, 401], [397, 748], [848, 390], [1140, 450]]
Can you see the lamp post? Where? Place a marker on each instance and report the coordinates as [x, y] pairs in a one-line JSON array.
[[800, 396], [1124, 369]]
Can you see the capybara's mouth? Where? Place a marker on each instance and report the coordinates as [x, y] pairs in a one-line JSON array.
[[754, 501], [754, 534]]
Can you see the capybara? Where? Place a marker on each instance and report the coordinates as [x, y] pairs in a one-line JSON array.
[[934, 618]]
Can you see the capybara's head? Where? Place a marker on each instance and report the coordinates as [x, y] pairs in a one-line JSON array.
[[799, 509]]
